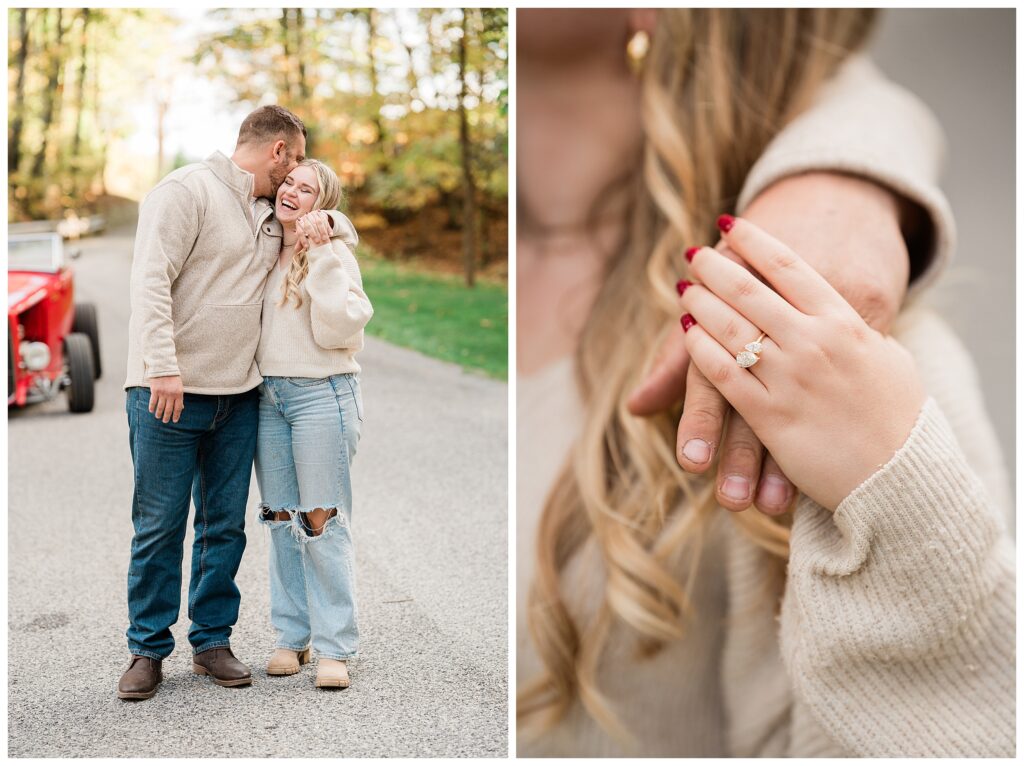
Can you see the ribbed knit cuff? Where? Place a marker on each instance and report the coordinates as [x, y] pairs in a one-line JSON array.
[[898, 620], [925, 502], [924, 493]]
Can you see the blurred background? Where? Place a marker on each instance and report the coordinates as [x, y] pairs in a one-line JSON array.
[[408, 106], [961, 63]]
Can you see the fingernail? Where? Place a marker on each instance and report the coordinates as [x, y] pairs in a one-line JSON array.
[[736, 488], [725, 223], [682, 284], [687, 321], [697, 451], [690, 253], [773, 491]]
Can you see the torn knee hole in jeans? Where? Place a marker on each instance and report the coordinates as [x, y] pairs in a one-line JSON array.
[[271, 516], [315, 527], [306, 525]]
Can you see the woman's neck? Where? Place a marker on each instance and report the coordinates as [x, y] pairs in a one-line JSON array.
[[291, 236], [580, 136]]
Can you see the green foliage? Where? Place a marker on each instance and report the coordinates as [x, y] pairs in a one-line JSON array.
[[378, 90], [321, 63], [436, 315], [72, 103], [383, 94], [418, 175], [180, 160]]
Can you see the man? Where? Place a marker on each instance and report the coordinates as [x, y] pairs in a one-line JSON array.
[[204, 247]]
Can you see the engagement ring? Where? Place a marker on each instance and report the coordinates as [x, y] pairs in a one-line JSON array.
[[749, 357]]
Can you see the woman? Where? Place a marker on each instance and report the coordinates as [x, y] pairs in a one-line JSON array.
[[875, 618], [311, 413]]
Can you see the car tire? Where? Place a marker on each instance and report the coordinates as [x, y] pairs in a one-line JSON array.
[[86, 323], [78, 350]]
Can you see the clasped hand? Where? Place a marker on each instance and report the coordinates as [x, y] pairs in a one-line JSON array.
[[831, 398], [313, 229], [849, 230]]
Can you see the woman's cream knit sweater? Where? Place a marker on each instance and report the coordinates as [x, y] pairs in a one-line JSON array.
[[321, 337], [896, 633]]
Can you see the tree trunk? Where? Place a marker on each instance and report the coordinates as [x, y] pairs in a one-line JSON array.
[[411, 77], [51, 107], [486, 253], [436, 46], [300, 22], [14, 138], [76, 144], [371, 23], [468, 185], [286, 42], [98, 117]]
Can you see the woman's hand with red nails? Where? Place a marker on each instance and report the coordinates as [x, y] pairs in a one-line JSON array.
[[848, 229], [316, 227], [832, 398]]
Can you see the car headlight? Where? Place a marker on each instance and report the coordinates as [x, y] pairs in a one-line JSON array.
[[35, 355]]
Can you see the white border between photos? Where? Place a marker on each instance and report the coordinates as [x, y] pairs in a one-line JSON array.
[[512, 381]]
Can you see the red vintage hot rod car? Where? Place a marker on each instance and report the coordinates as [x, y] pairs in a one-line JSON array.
[[53, 344]]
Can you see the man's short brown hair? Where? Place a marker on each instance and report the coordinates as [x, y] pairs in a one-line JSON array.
[[269, 123]]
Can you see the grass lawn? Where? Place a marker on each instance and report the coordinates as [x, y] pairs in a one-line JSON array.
[[437, 315]]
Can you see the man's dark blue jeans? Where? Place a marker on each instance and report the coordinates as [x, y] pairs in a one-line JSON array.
[[208, 453]]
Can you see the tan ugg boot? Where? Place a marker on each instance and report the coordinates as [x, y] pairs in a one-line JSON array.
[[331, 673], [286, 662]]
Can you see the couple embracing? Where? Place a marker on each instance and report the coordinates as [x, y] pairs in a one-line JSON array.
[[247, 312]]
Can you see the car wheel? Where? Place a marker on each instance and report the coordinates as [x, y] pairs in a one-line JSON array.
[[86, 323], [78, 358]]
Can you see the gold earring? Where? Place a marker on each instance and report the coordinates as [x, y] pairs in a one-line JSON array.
[[636, 50]]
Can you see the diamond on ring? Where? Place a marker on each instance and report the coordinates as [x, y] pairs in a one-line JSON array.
[[746, 359], [749, 357]]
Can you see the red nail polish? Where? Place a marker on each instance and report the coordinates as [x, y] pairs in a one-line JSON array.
[[725, 223], [682, 284], [687, 321], [690, 253]]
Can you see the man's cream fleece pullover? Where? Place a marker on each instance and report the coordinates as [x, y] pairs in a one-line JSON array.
[[199, 269]]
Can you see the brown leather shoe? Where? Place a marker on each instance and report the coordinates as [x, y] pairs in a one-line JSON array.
[[220, 664], [140, 680]]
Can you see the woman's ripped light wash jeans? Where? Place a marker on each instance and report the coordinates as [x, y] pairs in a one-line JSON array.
[[308, 432]]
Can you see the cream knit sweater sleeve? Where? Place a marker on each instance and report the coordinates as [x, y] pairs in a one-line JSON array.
[[898, 618], [339, 308]]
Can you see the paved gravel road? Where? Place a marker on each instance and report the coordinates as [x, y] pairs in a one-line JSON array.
[[430, 524]]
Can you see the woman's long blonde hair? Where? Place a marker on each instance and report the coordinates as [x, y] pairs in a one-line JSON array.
[[717, 86], [329, 198]]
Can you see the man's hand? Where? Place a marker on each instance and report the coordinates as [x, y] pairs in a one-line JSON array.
[[166, 397], [849, 230]]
